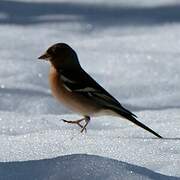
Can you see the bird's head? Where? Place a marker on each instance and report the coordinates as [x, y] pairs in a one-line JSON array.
[[61, 55]]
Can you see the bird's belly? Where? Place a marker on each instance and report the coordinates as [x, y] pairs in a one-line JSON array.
[[72, 100]]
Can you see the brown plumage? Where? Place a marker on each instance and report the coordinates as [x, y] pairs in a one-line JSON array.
[[72, 86]]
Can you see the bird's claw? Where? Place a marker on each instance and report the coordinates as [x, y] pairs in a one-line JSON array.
[[83, 128]]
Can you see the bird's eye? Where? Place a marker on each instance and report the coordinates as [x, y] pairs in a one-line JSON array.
[[51, 51], [55, 49]]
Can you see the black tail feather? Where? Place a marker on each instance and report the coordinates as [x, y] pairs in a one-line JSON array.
[[138, 123]]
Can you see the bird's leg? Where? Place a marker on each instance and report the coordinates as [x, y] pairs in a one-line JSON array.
[[87, 119], [83, 128], [75, 122]]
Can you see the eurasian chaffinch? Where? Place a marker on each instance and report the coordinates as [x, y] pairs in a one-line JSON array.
[[72, 86]]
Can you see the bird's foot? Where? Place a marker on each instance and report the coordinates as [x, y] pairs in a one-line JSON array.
[[87, 119], [78, 122]]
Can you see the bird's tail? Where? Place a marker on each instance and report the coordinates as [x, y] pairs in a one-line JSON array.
[[131, 117]]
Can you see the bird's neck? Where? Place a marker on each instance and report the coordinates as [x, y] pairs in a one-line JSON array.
[[60, 69]]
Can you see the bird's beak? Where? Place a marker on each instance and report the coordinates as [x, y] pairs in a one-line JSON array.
[[45, 56]]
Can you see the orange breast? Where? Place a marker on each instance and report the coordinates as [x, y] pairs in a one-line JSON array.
[[74, 101]]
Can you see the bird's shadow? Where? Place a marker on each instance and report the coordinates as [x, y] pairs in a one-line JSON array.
[[176, 138], [152, 138]]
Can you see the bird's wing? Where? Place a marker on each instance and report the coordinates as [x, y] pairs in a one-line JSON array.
[[80, 82]]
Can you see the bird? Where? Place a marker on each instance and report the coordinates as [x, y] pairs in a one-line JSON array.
[[75, 88]]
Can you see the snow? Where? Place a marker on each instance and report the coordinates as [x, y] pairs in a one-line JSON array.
[[129, 47], [89, 167]]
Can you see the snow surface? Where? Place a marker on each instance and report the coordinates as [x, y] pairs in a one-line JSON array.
[[129, 47], [89, 167]]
